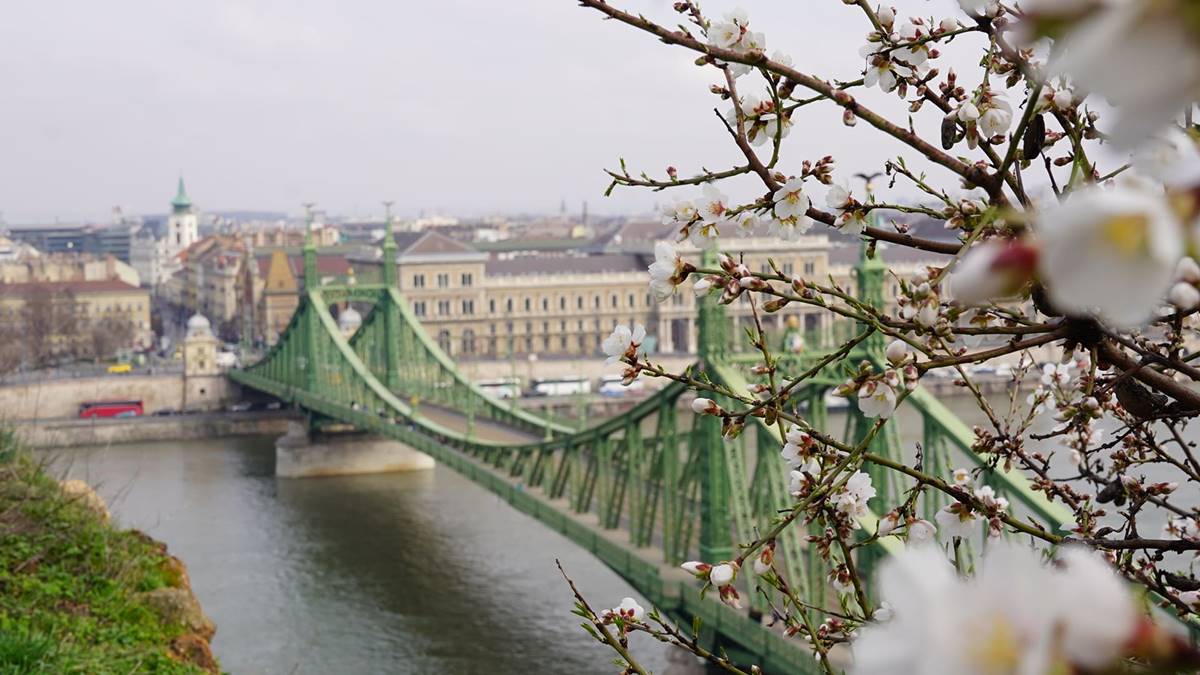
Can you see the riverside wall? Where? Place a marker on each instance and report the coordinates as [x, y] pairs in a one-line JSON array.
[[60, 397], [67, 432]]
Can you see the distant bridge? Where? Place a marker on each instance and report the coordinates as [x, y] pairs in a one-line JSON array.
[[643, 491]]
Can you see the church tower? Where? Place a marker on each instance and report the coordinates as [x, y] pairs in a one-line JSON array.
[[182, 224]]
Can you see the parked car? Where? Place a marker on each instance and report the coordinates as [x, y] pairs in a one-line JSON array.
[[240, 406], [165, 412], [120, 368]]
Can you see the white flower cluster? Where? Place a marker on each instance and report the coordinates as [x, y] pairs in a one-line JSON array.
[[733, 32], [958, 519]]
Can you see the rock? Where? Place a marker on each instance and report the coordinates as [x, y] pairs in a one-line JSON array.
[[85, 495], [179, 606], [194, 649]]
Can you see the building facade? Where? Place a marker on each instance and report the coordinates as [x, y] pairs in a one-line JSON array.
[[522, 304]]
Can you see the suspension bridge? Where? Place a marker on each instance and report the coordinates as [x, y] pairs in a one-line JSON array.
[[643, 491]]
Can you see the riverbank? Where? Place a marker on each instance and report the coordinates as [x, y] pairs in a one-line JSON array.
[[68, 431], [79, 595]]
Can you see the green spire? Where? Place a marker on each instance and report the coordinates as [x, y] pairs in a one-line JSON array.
[[182, 201]]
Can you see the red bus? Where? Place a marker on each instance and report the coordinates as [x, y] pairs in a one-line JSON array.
[[111, 409]]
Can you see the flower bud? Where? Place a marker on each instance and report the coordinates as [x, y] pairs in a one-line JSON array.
[[897, 352], [706, 406], [722, 575]]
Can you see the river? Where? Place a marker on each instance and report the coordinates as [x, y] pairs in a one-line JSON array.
[[399, 573]]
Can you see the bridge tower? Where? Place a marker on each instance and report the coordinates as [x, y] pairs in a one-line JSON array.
[[869, 274], [391, 315], [716, 535], [311, 360]]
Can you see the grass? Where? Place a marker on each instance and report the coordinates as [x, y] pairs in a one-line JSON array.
[[69, 583]]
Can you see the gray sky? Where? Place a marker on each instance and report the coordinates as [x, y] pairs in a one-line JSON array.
[[454, 106]]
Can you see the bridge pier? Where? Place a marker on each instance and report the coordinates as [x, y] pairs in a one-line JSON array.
[[304, 454]]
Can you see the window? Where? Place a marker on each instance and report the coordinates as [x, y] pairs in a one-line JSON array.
[[466, 278], [810, 267], [418, 281], [443, 280], [492, 306], [509, 327], [596, 302], [562, 326], [529, 328], [545, 326], [787, 269], [468, 306], [545, 304], [419, 308], [632, 301], [614, 301], [528, 305], [443, 307], [562, 303], [508, 304], [579, 302]]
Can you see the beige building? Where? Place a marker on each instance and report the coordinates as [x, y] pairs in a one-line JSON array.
[[563, 304], [67, 313]]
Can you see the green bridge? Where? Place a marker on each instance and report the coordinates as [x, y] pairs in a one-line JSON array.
[[643, 491]]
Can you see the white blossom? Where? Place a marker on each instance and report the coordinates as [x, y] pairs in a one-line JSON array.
[[996, 118], [1109, 252], [621, 341], [980, 7], [992, 270], [721, 575], [877, 398], [1141, 56], [629, 610], [790, 200], [896, 352], [956, 520], [1184, 296], [712, 206], [666, 271], [920, 532], [1015, 616], [853, 497], [1171, 157]]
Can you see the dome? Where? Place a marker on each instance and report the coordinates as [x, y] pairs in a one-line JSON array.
[[349, 320], [198, 326]]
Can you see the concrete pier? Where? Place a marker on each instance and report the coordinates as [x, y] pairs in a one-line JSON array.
[[299, 454]]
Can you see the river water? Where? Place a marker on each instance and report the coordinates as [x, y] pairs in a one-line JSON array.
[[400, 573]]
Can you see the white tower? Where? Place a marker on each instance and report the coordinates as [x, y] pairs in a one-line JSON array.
[[183, 223]]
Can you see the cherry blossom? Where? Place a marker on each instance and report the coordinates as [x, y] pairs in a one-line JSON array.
[[1112, 52], [1110, 252], [667, 271], [877, 398], [920, 532], [623, 342], [628, 610], [993, 270], [1016, 615], [790, 200], [722, 575], [956, 520], [705, 406], [853, 497]]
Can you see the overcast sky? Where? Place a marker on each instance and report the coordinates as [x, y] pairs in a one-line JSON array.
[[446, 106]]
